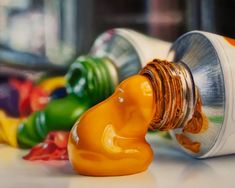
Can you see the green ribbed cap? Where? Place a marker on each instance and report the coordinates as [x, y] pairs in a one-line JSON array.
[[92, 78]]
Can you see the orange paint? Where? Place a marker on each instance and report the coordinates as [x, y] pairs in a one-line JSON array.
[[199, 122], [230, 40], [110, 138], [187, 143]]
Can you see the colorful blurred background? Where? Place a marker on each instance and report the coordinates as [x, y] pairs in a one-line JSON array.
[[57, 31]]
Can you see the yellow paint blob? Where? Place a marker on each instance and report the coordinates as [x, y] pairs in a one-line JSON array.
[[109, 139], [8, 129], [50, 84]]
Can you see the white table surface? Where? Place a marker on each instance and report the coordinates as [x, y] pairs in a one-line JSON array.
[[170, 168]]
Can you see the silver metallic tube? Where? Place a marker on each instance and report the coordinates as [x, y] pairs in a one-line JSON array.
[[128, 50], [211, 62]]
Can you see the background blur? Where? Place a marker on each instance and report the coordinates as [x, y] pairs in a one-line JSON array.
[[57, 31]]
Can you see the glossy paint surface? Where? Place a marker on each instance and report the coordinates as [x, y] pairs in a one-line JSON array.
[[109, 139]]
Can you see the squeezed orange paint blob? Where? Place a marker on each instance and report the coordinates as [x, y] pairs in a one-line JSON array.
[[109, 139]]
